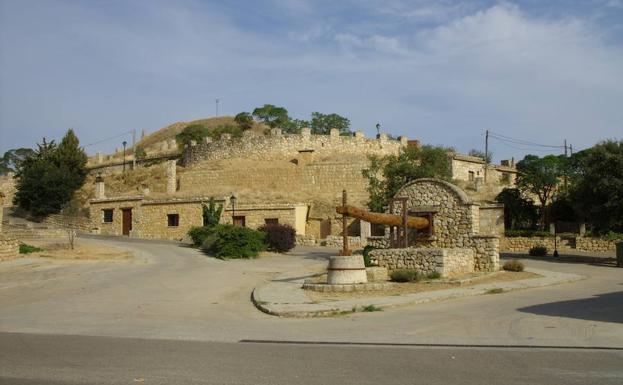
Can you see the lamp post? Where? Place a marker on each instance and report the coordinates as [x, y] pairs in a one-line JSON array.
[[124, 144], [232, 200], [378, 129]]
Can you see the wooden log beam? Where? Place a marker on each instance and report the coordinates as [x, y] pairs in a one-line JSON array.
[[382, 219]]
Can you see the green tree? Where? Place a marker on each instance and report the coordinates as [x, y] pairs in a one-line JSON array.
[[481, 155], [211, 213], [519, 212], [244, 120], [541, 177], [388, 174], [321, 124], [597, 185], [193, 132], [294, 126], [12, 159], [272, 115], [48, 178]]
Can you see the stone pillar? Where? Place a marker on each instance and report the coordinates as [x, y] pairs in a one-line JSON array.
[[365, 231], [359, 135], [171, 177], [99, 157], [306, 133], [552, 228], [100, 188], [582, 229], [334, 134], [404, 141]]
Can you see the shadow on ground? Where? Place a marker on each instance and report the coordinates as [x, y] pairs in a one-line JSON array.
[[605, 261], [606, 307]]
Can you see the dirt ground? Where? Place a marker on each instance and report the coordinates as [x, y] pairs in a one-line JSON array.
[[82, 251], [417, 287]]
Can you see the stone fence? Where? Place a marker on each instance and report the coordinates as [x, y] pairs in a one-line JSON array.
[[564, 244], [447, 262], [280, 146]]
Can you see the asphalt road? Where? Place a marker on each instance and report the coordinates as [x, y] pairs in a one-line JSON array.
[[52, 360], [173, 292]]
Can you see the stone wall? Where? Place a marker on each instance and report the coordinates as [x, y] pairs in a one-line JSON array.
[[491, 217], [337, 241], [9, 248], [446, 262], [486, 252], [280, 146], [564, 244], [79, 223], [7, 187]]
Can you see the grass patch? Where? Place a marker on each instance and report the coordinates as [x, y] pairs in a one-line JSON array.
[[27, 249], [370, 308], [405, 275], [497, 290]]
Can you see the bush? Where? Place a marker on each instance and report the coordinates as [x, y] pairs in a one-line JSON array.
[[527, 233], [405, 275], [199, 234], [538, 251], [366, 255], [433, 275], [513, 265], [237, 242], [27, 249], [279, 237], [208, 243]]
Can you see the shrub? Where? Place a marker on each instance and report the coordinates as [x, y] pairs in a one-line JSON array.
[[513, 265], [279, 237], [538, 251], [199, 234], [366, 255], [237, 242], [405, 275], [370, 308], [208, 243], [433, 275], [27, 249]]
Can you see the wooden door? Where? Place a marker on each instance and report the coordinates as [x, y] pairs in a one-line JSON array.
[[127, 221]]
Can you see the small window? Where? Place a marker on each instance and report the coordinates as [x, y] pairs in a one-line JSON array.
[[271, 221], [240, 221], [173, 220], [107, 213], [471, 175]]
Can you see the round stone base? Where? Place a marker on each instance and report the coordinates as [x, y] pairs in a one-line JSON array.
[[347, 288]]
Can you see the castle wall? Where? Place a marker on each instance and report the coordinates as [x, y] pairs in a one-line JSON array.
[[7, 187]]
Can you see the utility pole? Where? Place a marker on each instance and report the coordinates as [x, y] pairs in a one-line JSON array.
[[486, 154], [134, 149], [570, 149], [217, 101], [565, 148]]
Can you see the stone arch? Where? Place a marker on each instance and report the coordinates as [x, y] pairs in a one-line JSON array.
[[458, 192]]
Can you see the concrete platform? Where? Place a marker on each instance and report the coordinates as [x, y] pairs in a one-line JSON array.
[[286, 298]]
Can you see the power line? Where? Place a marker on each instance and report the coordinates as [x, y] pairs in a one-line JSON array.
[[107, 139], [520, 141], [521, 148]]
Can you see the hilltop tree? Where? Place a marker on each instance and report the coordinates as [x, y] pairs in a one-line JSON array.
[[48, 178], [323, 123], [272, 115], [192, 132], [244, 120], [541, 177], [388, 174]]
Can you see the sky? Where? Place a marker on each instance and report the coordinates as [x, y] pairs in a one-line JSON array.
[[441, 71]]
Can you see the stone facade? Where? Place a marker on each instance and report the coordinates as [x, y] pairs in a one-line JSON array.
[[7, 187], [446, 262], [152, 218], [9, 247], [491, 219]]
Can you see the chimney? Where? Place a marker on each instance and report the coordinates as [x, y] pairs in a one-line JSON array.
[[171, 177], [100, 190]]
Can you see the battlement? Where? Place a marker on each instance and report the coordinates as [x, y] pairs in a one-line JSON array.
[[276, 145]]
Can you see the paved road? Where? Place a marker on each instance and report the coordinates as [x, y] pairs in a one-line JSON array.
[[54, 360], [172, 292]]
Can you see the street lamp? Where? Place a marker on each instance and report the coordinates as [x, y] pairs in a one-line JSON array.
[[232, 200], [124, 144], [378, 129]]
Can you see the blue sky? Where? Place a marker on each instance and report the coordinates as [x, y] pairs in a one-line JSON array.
[[438, 71]]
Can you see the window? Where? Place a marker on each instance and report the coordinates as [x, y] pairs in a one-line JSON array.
[[271, 221], [107, 214], [470, 175], [173, 220], [239, 221]]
